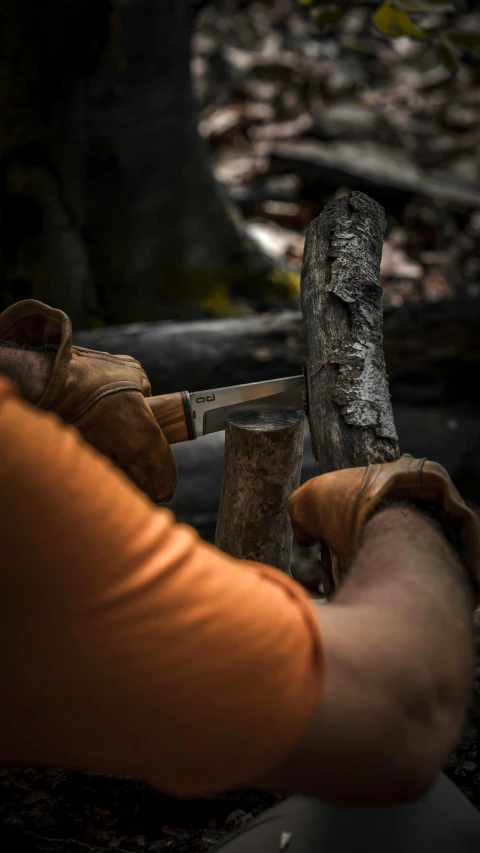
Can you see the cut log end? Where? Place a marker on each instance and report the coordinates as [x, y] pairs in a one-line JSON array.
[[266, 422]]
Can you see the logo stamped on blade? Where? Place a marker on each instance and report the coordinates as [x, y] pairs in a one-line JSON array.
[[208, 399]]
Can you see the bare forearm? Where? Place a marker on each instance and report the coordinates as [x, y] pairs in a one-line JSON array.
[[398, 642], [399, 654], [410, 582], [405, 548], [406, 566]]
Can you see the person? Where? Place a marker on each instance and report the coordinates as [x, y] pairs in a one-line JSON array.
[[129, 645]]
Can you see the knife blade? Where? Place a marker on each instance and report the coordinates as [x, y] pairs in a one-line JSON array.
[[184, 416]]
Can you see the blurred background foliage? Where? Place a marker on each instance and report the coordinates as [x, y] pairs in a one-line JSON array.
[[393, 19]]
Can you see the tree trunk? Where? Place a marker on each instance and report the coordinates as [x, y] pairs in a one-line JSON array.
[[108, 204], [45, 49]]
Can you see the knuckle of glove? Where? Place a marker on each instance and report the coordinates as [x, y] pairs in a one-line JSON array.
[[335, 507], [101, 394], [427, 483], [104, 396], [321, 510]]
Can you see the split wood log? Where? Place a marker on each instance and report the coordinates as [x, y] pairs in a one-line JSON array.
[[263, 462], [348, 400]]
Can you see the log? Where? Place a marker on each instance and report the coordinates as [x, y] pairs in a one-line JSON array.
[[263, 461], [348, 400], [201, 354], [432, 350], [349, 406]]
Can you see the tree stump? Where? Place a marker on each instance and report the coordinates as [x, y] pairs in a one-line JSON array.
[[348, 400], [263, 460]]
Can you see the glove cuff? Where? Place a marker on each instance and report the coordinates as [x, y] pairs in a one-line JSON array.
[[427, 485], [40, 326]]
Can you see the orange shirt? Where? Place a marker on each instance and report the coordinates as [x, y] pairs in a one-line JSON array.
[[127, 643]]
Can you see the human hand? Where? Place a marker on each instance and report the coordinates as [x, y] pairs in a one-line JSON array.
[[102, 395], [334, 508]]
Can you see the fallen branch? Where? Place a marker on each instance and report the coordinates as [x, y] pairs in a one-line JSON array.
[[380, 170]]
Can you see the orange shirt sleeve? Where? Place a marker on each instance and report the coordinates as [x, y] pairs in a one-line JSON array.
[[128, 644]]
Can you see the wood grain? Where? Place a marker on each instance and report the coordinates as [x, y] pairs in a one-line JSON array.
[[169, 412], [348, 398], [349, 406], [263, 460]]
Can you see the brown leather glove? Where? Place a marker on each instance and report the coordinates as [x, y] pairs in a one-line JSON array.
[[334, 507], [102, 395]]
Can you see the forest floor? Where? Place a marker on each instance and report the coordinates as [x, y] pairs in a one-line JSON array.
[[293, 117]]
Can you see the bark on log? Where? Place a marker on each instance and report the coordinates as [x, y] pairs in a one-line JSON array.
[[349, 407], [263, 461], [348, 400]]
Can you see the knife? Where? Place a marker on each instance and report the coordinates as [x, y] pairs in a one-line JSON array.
[[184, 416]]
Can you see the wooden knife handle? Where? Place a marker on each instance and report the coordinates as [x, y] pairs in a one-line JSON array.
[[174, 415]]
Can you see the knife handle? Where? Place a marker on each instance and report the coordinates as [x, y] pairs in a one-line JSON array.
[[174, 415]]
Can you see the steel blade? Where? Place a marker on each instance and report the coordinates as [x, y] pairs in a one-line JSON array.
[[212, 408]]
